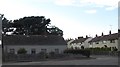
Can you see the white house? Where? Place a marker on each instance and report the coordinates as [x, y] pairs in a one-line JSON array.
[[77, 43], [34, 43], [69, 41], [110, 40]]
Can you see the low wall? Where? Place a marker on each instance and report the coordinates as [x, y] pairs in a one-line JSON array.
[[30, 57]]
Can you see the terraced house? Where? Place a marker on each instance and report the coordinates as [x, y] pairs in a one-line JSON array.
[[110, 40], [80, 41], [34, 44]]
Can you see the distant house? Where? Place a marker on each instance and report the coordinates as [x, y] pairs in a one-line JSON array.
[[69, 43], [77, 43], [34, 44], [110, 40]]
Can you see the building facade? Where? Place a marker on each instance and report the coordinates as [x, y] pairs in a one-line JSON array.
[[110, 40], [77, 43], [34, 44]]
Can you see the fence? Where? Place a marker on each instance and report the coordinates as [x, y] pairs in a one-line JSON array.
[[30, 57], [44, 56]]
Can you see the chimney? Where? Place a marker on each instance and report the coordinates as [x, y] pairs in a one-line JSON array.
[[96, 35], [80, 37], [110, 32], [102, 34], [86, 36], [75, 38], [118, 30]]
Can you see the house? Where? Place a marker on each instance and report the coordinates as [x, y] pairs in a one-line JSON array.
[[77, 43], [69, 43], [110, 40], [34, 44]]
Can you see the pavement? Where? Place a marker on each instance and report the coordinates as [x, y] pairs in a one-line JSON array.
[[96, 60]]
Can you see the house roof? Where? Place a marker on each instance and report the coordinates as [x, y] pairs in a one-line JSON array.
[[80, 40], [105, 37], [33, 40]]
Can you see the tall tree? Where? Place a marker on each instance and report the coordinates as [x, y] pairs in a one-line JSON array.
[[55, 31], [31, 25], [6, 25]]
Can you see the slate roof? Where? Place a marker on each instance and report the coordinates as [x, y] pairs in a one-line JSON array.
[[80, 40], [33, 40], [105, 37]]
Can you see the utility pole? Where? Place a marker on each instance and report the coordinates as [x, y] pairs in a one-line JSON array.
[[1, 16], [1, 47], [2, 53]]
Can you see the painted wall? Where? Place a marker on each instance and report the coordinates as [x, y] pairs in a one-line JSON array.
[[68, 43], [78, 45], [86, 44], [101, 44], [37, 47]]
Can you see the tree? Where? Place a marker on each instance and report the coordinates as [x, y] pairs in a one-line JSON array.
[[55, 31], [33, 25], [6, 25]]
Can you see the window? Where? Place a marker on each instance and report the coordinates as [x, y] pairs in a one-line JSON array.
[[91, 43], [112, 41], [104, 42], [12, 51], [97, 42], [57, 51], [44, 50], [33, 51]]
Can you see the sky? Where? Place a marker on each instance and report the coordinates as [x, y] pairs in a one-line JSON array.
[[75, 17]]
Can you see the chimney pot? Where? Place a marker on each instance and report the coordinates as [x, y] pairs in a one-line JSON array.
[[80, 37], [110, 32], [96, 35], [86, 36], [102, 34]]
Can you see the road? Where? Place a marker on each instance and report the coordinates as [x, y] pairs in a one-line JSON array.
[[100, 60]]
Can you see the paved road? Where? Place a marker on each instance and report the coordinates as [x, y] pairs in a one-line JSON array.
[[100, 60]]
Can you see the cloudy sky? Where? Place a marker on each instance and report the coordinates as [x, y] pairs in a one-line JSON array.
[[74, 17]]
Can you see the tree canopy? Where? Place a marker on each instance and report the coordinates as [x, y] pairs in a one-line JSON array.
[[33, 25]]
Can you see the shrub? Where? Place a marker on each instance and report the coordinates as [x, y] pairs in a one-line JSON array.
[[22, 51], [100, 49], [84, 52]]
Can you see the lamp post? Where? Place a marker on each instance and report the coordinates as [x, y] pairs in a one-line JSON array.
[[0, 37], [1, 16], [1, 26]]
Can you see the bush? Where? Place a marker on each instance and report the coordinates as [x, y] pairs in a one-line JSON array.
[[84, 52], [52, 53], [22, 51], [100, 49]]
